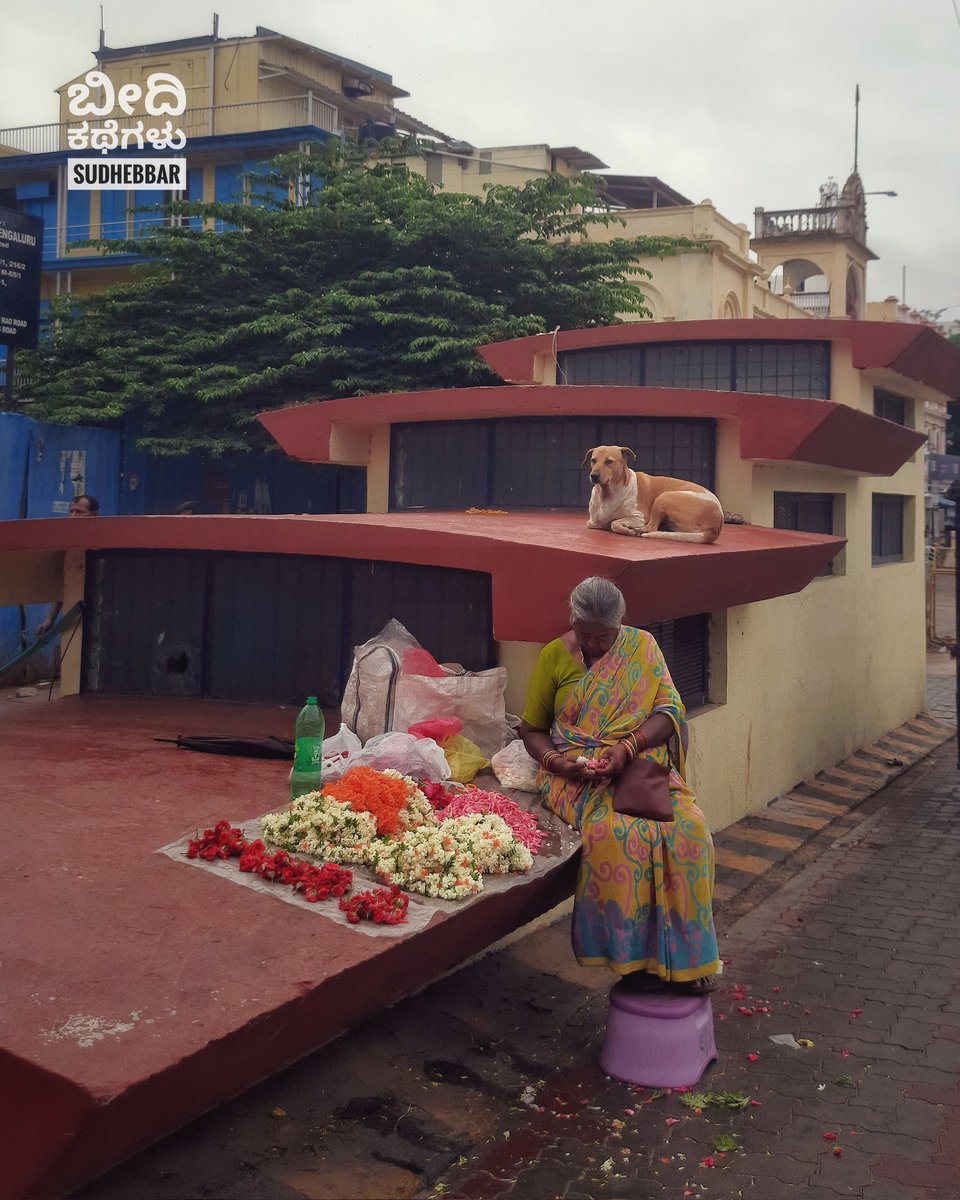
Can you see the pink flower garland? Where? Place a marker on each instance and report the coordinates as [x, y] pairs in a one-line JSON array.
[[522, 823]]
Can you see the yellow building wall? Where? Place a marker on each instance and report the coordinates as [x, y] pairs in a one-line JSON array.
[[811, 677], [720, 281], [226, 76], [471, 173]]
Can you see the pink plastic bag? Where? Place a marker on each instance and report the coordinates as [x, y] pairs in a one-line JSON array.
[[438, 728], [417, 661]]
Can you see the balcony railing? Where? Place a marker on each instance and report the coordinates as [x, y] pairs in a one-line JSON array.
[[257, 116], [848, 220], [817, 303]]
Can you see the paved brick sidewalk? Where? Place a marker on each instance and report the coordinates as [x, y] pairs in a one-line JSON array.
[[942, 686]]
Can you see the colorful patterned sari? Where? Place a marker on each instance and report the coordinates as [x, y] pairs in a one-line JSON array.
[[644, 893]]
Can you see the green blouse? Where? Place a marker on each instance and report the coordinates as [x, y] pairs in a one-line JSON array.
[[554, 677]]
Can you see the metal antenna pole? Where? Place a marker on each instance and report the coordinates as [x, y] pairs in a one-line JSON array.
[[856, 127]]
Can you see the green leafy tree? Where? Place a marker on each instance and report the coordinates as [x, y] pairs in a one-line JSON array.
[[369, 281]]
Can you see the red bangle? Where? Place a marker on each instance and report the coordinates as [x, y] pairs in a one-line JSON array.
[[641, 744]]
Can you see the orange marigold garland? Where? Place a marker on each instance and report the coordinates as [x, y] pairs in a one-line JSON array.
[[381, 793]]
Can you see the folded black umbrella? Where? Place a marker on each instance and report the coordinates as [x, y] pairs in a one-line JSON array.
[[239, 747]]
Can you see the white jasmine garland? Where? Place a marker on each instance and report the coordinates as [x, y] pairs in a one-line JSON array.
[[322, 827]]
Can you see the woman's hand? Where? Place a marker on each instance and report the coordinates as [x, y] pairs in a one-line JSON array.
[[613, 761], [569, 768]]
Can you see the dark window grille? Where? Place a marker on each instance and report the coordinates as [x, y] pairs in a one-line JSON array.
[[684, 643], [617, 367], [807, 512], [888, 528], [890, 406], [533, 463], [698, 365], [440, 465], [778, 368]]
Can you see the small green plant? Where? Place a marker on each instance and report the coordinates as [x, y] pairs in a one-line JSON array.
[[843, 1081], [734, 1101], [724, 1142]]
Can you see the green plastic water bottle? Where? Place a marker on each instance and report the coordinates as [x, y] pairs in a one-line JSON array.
[[306, 775]]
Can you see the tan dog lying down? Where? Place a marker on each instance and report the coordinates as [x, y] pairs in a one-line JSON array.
[[628, 501]]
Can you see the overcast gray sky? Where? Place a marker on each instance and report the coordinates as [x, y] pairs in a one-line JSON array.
[[748, 103]]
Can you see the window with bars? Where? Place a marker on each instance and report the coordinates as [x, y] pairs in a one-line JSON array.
[[890, 406], [699, 365], [807, 512], [684, 645], [778, 368], [888, 528], [533, 463]]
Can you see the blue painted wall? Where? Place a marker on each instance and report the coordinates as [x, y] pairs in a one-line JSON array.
[[41, 468], [65, 460], [238, 483]]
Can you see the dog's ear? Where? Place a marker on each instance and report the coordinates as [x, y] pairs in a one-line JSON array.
[[625, 450], [588, 456]]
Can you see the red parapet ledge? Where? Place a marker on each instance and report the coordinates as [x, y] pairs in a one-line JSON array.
[[548, 552], [776, 428]]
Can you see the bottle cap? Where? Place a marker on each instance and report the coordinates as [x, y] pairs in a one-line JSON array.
[[311, 699]]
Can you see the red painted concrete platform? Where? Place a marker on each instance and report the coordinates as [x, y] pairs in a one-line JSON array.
[[137, 992], [661, 580]]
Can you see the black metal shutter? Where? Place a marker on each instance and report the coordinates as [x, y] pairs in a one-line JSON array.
[[274, 628], [145, 633], [450, 612]]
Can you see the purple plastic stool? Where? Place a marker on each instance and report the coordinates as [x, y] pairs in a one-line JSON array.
[[658, 1040]]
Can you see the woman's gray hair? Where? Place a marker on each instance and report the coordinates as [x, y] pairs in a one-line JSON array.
[[597, 601]]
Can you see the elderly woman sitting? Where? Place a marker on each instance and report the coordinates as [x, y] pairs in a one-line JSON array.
[[601, 694]]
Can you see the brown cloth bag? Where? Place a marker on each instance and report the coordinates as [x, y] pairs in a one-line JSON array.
[[643, 790]]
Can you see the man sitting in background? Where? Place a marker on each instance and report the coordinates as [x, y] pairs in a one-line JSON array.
[[80, 506]]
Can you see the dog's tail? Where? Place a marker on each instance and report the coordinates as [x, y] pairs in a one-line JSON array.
[[733, 519], [703, 536]]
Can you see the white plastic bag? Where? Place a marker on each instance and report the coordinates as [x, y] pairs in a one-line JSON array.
[[368, 699], [379, 697], [476, 697], [514, 767], [339, 753], [421, 758]]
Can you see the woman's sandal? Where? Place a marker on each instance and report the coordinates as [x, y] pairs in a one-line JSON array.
[[702, 986]]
